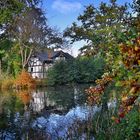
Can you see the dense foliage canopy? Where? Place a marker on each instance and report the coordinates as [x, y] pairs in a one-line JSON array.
[[111, 58], [24, 30], [79, 70], [113, 31]]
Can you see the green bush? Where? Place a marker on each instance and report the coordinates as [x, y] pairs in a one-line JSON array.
[[79, 70], [129, 127], [106, 129]]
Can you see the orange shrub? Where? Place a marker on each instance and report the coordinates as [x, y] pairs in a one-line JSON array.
[[25, 80], [25, 96]]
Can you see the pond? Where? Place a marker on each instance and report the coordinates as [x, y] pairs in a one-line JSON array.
[[42, 113]]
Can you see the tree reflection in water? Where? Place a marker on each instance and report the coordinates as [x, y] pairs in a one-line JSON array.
[[19, 109]]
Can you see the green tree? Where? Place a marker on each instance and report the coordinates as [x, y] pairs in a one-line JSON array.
[[115, 34], [26, 27], [9, 9], [79, 70], [99, 27], [31, 32]]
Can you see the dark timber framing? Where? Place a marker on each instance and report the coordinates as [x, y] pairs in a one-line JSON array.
[[40, 62]]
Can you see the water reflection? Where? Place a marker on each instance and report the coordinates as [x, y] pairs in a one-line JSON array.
[[21, 110], [57, 98], [57, 126]]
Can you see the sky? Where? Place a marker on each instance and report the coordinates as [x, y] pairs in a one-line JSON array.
[[62, 13]]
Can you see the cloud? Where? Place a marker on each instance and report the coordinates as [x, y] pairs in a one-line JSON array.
[[65, 7]]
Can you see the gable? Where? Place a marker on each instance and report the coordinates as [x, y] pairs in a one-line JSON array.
[[62, 54], [49, 57]]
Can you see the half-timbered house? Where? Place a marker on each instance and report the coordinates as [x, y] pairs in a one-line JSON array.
[[40, 62]]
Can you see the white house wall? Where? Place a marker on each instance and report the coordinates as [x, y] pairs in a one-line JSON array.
[[36, 68], [40, 100]]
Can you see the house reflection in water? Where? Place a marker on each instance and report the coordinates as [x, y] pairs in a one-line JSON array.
[[19, 110], [56, 99], [40, 101]]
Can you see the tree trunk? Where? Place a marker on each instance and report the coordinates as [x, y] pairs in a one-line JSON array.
[[0, 66]]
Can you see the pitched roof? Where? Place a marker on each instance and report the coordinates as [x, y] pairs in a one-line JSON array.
[[42, 56], [48, 56], [59, 53]]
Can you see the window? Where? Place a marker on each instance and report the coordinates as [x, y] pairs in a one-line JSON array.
[[31, 69], [60, 58]]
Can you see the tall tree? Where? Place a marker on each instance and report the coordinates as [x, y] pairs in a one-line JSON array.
[[25, 24], [31, 32], [9, 10], [99, 26]]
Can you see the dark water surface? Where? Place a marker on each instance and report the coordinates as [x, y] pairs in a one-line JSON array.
[[42, 113]]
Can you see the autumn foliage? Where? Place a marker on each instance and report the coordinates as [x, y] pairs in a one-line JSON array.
[[94, 93], [25, 80], [131, 53], [7, 84], [25, 96], [130, 85], [131, 59]]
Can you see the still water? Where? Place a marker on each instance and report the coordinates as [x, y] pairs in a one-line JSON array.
[[42, 113]]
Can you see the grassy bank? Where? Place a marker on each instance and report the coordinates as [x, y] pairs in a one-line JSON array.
[[22, 81], [101, 126], [6, 81]]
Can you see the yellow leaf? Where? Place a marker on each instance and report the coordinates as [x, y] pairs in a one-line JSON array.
[[124, 98]]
